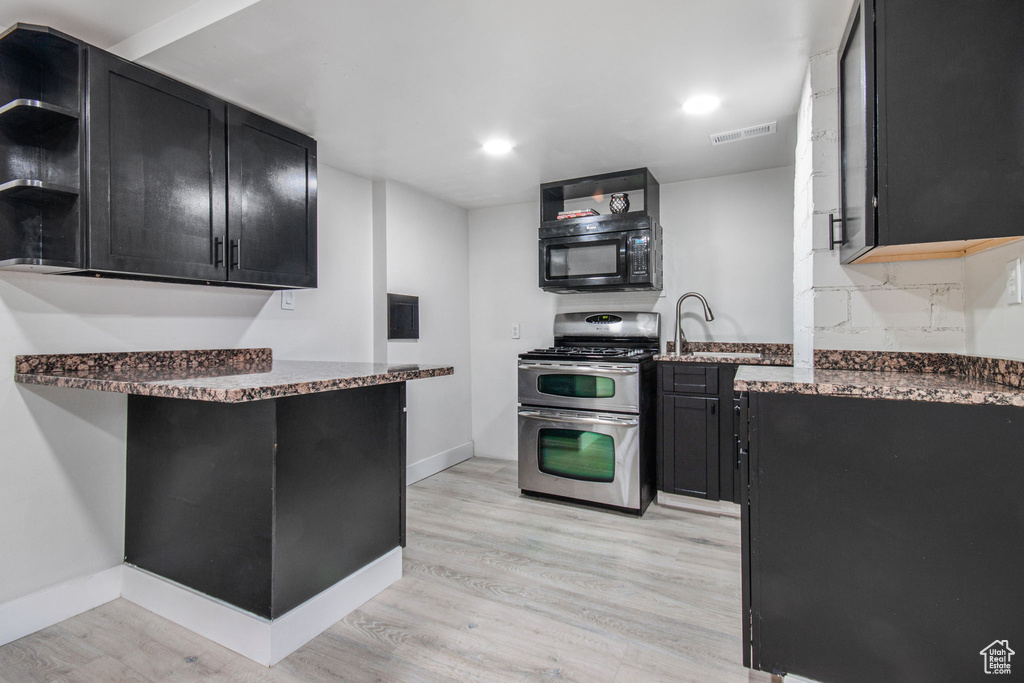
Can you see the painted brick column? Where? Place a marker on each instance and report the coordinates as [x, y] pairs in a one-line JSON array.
[[905, 306]]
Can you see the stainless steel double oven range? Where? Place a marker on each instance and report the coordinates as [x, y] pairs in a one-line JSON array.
[[586, 411]]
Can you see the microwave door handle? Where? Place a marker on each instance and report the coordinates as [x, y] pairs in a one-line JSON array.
[[584, 420]]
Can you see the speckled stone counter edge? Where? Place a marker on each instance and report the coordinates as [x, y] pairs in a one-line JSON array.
[[771, 354], [57, 363], [238, 395], [910, 386], [998, 370], [146, 377]]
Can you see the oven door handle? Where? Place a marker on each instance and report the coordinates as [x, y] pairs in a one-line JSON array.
[[589, 368], [534, 415]]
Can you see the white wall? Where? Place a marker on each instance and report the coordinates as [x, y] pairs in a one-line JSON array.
[[729, 238], [428, 257], [62, 460], [994, 327], [908, 306], [503, 289], [803, 227]]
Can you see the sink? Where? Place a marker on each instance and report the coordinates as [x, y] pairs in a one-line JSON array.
[[722, 354]]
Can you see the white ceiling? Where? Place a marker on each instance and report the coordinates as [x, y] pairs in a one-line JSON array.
[[100, 22], [409, 89]]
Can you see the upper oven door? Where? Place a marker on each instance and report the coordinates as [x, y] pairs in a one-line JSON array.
[[597, 260], [586, 386]]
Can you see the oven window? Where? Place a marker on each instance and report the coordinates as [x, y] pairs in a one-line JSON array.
[[576, 454], [576, 386], [572, 261]]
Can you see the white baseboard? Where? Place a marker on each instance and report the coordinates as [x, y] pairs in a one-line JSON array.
[[436, 463], [235, 629], [32, 613], [316, 615], [261, 640]]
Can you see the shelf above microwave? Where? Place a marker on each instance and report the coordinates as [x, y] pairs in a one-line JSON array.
[[594, 192]]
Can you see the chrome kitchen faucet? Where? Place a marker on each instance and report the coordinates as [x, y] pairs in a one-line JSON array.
[[680, 338]]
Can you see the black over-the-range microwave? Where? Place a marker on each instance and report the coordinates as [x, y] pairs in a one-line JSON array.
[[601, 253]]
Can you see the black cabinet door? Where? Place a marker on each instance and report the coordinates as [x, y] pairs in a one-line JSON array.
[[931, 127], [689, 445], [857, 132], [885, 537], [271, 202], [157, 174], [951, 134]]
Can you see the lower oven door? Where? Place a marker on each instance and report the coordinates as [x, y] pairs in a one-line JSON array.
[[584, 386], [581, 455]]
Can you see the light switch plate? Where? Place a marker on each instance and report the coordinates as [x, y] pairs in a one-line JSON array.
[[1013, 283], [288, 300]]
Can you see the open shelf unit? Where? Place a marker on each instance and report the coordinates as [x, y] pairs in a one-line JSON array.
[[41, 77], [595, 192]]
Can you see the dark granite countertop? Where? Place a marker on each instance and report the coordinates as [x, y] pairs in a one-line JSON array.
[[737, 353], [221, 375], [948, 383]]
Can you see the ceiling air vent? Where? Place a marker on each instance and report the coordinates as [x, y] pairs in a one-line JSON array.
[[743, 134]]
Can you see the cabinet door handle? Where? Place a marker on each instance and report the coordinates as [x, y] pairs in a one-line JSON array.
[[236, 253], [218, 251], [832, 241], [712, 408]]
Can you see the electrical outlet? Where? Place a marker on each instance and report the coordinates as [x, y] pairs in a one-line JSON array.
[[288, 300], [514, 332], [1013, 283]]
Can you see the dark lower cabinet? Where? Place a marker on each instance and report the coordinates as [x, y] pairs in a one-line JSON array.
[[883, 540], [271, 202], [690, 438], [158, 177], [696, 444]]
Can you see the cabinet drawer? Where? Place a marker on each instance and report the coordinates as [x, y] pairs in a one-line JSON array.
[[689, 378]]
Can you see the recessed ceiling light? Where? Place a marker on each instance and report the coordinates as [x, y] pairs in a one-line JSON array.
[[701, 104], [497, 147]]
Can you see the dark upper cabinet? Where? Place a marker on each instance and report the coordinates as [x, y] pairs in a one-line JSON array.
[[271, 202], [931, 129], [158, 176], [108, 168]]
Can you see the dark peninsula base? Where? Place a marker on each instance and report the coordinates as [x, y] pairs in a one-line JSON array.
[[267, 503]]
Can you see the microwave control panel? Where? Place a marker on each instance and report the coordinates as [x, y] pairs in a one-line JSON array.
[[639, 256]]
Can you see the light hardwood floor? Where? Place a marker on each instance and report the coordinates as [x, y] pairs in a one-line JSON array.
[[496, 587]]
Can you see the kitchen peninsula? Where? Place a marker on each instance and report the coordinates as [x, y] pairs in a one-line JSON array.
[[272, 487]]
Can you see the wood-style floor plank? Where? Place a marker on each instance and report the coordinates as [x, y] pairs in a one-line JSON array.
[[496, 587]]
